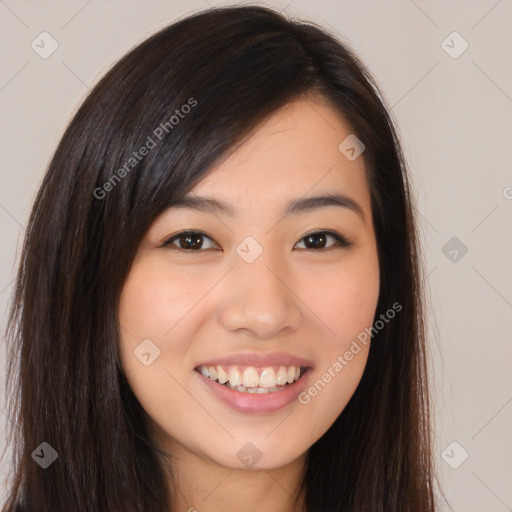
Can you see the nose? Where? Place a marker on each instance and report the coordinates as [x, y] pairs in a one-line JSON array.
[[259, 298]]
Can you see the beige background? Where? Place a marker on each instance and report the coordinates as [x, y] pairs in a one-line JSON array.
[[454, 115]]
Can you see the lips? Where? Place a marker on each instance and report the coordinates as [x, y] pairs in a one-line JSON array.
[[272, 397]]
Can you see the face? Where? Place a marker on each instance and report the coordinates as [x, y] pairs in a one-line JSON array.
[[259, 293]]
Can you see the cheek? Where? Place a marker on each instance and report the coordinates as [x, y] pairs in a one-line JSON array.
[[150, 307], [345, 299], [154, 300]]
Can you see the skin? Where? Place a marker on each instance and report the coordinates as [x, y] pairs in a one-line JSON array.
[[308, 302]]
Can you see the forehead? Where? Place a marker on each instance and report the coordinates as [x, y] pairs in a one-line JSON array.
[[293, 154]]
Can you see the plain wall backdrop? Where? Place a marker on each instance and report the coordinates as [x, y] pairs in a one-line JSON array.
[[445, 70]]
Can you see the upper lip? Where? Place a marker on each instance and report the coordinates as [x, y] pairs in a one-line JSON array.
[[255, 359]]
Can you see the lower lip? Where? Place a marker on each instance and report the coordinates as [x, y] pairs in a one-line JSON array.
[[256, 403]]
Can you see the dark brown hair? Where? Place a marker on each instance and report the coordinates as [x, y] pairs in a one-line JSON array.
[[233, 66]]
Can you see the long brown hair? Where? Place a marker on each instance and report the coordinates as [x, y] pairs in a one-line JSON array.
[[66, 386]]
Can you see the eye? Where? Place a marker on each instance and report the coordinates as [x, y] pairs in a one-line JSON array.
[[188, 241], [194, 241], [318, 240]]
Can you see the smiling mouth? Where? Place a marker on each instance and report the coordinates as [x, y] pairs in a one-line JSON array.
[[250, 379]]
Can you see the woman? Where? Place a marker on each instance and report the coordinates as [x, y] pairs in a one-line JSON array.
[[219, 298]]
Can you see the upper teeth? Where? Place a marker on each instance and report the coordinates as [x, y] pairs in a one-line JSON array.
[[250, 376]]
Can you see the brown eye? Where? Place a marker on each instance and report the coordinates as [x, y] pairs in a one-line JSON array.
[[318, 240], [193, 241], [188, 241]]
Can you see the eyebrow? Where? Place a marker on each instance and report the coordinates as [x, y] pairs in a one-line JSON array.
[[296, 206]]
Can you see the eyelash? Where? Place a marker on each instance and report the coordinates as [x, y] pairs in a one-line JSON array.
[[342, 242]]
